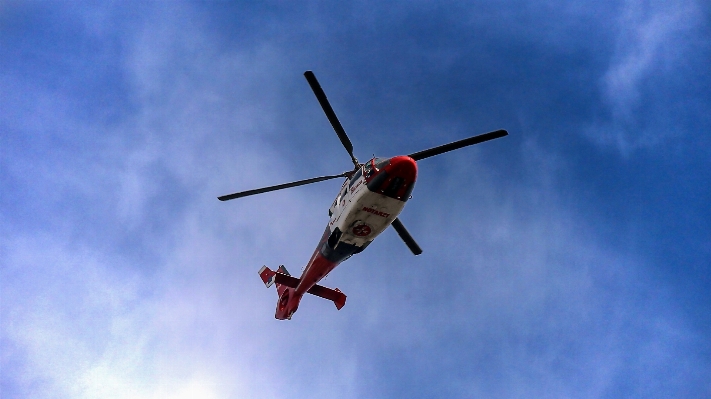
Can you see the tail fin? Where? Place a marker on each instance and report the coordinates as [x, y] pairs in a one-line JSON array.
[[267, 275], [281, 277]]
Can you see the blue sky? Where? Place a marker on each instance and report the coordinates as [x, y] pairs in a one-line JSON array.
[[569, 259]]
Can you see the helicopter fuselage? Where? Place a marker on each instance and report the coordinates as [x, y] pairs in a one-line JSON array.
[[365, 206], [368, 202]]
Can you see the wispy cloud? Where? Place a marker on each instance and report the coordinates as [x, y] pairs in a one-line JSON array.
[[134, 281], [84, 319], [652, 39]]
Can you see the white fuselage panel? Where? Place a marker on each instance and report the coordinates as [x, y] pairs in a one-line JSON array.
[[360, 214]]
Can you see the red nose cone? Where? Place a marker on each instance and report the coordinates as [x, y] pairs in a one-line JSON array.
[[396, 179], [404, 167]]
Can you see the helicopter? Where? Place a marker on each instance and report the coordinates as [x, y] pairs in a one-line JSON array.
[[370, 199]]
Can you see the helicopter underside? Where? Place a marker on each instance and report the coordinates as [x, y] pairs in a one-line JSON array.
[[369, 201], [361, 211]]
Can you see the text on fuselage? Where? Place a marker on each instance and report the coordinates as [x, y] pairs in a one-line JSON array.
[[375, 212]]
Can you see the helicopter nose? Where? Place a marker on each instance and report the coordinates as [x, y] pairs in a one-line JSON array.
[[404, 167], [397, 179]]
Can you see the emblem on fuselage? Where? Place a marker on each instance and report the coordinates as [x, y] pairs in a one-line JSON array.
[[361, 230]]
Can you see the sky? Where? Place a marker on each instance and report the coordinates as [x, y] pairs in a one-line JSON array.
[[570, 259]]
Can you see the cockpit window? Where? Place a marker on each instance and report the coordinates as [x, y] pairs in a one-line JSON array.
[[367, 169], [380, 163]]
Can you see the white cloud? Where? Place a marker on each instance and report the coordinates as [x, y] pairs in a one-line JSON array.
[[194, 320], [508, 267], [651, 40], [92, 327]]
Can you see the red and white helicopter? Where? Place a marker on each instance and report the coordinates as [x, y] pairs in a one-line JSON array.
[[371, 197]]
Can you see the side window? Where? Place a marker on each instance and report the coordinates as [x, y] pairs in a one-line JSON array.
[[342, 195], [356, 176]]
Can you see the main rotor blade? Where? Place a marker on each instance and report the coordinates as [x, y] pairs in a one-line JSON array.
[[458, 144], [330, 114], [278, 187], [405, 235]]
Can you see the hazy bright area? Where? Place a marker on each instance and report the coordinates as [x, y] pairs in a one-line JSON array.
[[571, 259]]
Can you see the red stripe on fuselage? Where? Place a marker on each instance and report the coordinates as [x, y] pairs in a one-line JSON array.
[[315, 270], [317, 267]]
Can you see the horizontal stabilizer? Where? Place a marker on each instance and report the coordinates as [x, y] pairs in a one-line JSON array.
[[287, 280], [281, 276], [335, 295], [270, 277]]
